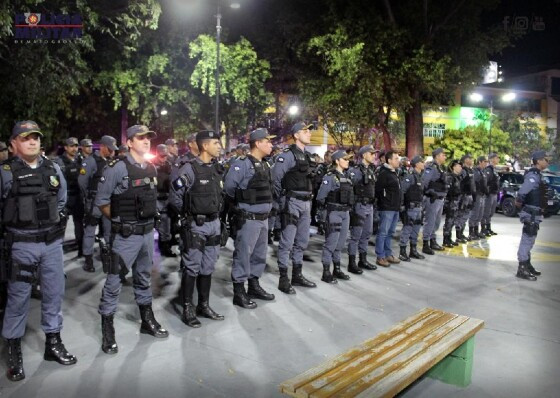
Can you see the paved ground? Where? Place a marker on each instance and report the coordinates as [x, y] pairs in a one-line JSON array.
[[252, 352]]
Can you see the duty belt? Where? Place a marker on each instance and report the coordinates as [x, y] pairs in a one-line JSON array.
[[533, 212], [47, 237], [298, 196], [204, 218], [414, 205], [162, 196], [337, 207], [255, 216], [131, 229], [365, 200]]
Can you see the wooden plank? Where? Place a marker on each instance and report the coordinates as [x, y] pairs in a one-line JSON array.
[[377, 361], [438, 348], [290, 386]]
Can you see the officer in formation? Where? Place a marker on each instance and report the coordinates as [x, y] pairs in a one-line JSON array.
[[274, 224], [468, 190], [3, 151], [361, 216], [493, 181], [321, 170], [451, 205], [163, 167], [532, 200], [412, 191], [127, 194], [33, 200], [435, 190], [90, 175], [479, 199], [292, 176], [172, 150], [86, 148], [196, 196], [70, 163], [248, 183]]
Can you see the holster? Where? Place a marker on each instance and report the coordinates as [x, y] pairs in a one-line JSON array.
[[115, 265], [223, 234], [89, 219], [105, 255]]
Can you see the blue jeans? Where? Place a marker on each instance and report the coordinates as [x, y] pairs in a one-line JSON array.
[[387, 225]]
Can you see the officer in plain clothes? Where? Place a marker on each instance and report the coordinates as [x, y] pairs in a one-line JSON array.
[[196, 196], [435, 190], [532, 200], [163, 167], [90, 175], [249, 185], [86, 148], [468, 190], [361, 216], [479, 198], [33, 199], [451, 206], [411, 186], [493, 181], [127, 194], [292, 176]]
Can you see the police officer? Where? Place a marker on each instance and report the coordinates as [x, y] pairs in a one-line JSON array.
[[479, 199], [321, 171], [292, 176], [451, 205], [411, 186], [197, 196], [172, 150], [468, 190], [86, 147], [90, 175], [493, 181], [531, 198], [248, 183], [123, 150], [361, 216], [163, 167], [33, 196], [127, 193], [3, 151], [435, 189]]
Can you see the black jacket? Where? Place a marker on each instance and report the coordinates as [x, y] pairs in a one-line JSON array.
[[388, 190]]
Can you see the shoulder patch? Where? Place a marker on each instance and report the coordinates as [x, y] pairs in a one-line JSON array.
[[102, 179], [427, 171], [407, 179], [326, 182], [532, 179], [6, 167], [280, 159], [113, 162], [82, 171], [236, 168]]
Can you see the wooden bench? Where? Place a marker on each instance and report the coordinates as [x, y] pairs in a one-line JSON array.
[[431, 342]]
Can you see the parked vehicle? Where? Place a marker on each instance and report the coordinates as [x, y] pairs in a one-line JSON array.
[[510, 183]]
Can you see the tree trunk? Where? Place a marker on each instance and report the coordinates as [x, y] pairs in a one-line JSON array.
[[124, 123], [414, 128]]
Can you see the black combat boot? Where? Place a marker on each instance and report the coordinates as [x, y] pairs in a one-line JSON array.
[[480, 234], [338, 274], [447, 241], [524, 273], [414, 253], [489, 229], [434, 245], [402, 255], [532, 269], [352, 267], [149, 324], [165, 249], [461, 238], [187, 288], [298, 279], [472, 234], [270, 240], [364, 263], [88, 264], [109, 345], [240, 297], [256, 291], [15, 360], [203, 283], [55, 350], [277, 234], [284, 284], [327, 276], [426, 248]]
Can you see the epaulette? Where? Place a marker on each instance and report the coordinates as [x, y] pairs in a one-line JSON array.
[[286, 150], [113, 162]]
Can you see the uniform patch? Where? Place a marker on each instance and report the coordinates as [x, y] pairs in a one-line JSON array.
[[82, 171], [407, 179], [326, 182], [427, 171], [102, 179], [84, 164], [53, 180], [6, 167], [532, 179], [280, 159], [236, 168]]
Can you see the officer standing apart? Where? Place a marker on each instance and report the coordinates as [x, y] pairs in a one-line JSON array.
[[361, 216], [292, 176], [127, 194], [90, 175], [248, 183], [197, 196], [451, 205], [33, 201], [468, 190], [411, 186], [531, 198], [493, 181], [479, 198], [163, 167], [334, 200], [435, 189]]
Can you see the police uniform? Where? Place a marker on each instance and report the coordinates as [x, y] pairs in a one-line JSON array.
[[468, 190], [412, 191], [164, 168], [451, 206], [130, 188], [493, 181], [32, 201], [197, 196], [435, 190], [479, 201]]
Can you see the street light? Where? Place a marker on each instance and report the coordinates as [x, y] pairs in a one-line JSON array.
[[163, 112], [293, 110]]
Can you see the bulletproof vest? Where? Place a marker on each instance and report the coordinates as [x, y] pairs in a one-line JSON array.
[[414, 194], [32, 201], [454, 186], [94, 180], [163, 174], [205, 195], [467, 183], [492, 180], [481, 185], [259, 189], [365, 188], [71, 172], [321, 171], [537, 197], [440, 184], [138, 202], [344, 195], [300, 177]]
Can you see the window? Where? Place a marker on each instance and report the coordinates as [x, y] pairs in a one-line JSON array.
[[434, 130]]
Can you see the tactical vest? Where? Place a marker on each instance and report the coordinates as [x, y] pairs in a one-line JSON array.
[[454, 186], [32, 201], [344, 195], [537, 197], [493, 180], [440, 184], [365, 188], [414, 193], [300, 177], [94, 180], [138, 202], [205, 195], [71, 172], [481, 184], [163, 179], [259, 189], [468, 186]]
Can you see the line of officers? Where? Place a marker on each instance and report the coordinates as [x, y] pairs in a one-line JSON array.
[[128, 197]]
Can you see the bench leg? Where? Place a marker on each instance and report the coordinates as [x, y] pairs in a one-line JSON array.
[[456, 368]]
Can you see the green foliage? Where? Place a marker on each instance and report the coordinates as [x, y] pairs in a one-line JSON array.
[[525, 134]]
